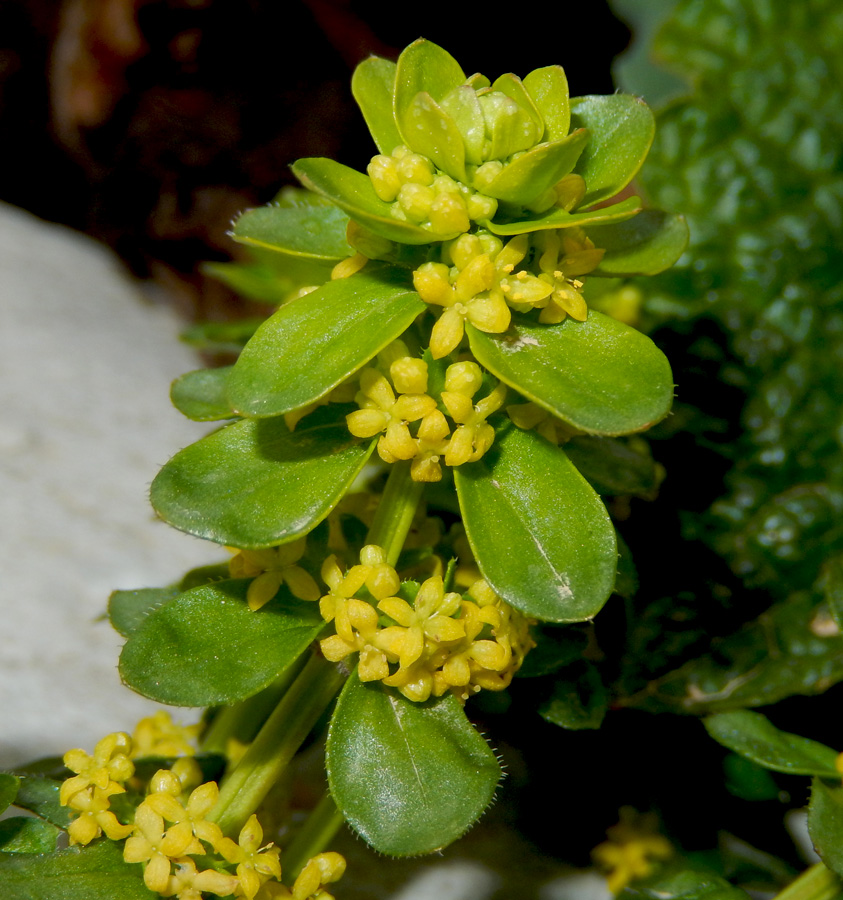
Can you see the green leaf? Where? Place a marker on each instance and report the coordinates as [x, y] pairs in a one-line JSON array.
[[315, 342], [311, 231], [96, 872], [256, 484], [687, 884], [559, 218], [464, 108], [435, 135], [622, 129], [600, 376], [353, 192], [753, 735], [428, 775], [530, 175], [645, 245], [747, 780], [373, 87], [740, 671], [825, 823], [221, 337], [8, 789], [201, 395], [615, 466], [40, 795], [23, 834], [127, 609], [423, 66], [579, 699], [209, 648], [541, 536], [549, 89]]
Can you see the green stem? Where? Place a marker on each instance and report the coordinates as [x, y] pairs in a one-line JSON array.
[[316, 833], [282, 734], [243, 720], [395, 512], [816, 883]]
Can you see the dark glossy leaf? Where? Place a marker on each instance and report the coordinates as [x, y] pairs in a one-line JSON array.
[[600, 376], [537, 170], [753, 735], [579, 699], [95, 872], [740, 671], [825, 823], [686, 884], [257, 484], [204, 575], [209, 648], [614, 465], [23, 834], [748, 780], [8, 789], [202, 395], [373, 87], [312, 231], [40, 795], [315, 342], [622, 129], [647, 244], [555, 647], [549, 89], [541, 536], [127, 609], [353, 192], [410, 778], [560, 218]]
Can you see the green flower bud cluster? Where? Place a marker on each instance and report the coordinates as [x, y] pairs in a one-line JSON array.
[[421, 195]]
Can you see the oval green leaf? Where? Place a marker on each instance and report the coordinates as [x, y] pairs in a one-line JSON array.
[[647, 244], [615, 466], [8, 789], [373, 87], [549, 89], [256, 484], [435, 135], [825, 823], [622, 129], [209, 648], [410, 778], [202, 395], [560, 218], [753, 736], [315, 342], [40, 795], [541, 535], [95, 872], [600, 376], [311, 231], [23, 834], [353, 192], [127, 609], [538, 169], [423, 66]]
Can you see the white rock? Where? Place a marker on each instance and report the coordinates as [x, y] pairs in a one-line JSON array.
[[85, 368]]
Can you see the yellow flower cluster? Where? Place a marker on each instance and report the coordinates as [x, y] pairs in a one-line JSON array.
[[476, 282], [272, 567], [431, 440], [528, 416], [420, 194], [159, 735], [631, 850], [441, 641], [169, 832]]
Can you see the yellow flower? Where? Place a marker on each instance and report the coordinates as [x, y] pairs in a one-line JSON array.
[[474, 435], [186, 883], [95, 817], [631, 849], [200, 802], [530, 415], [566, 254], [107, 769], [255, 866], [319, 870], [158, 735], [158, 846], [270, 569]]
